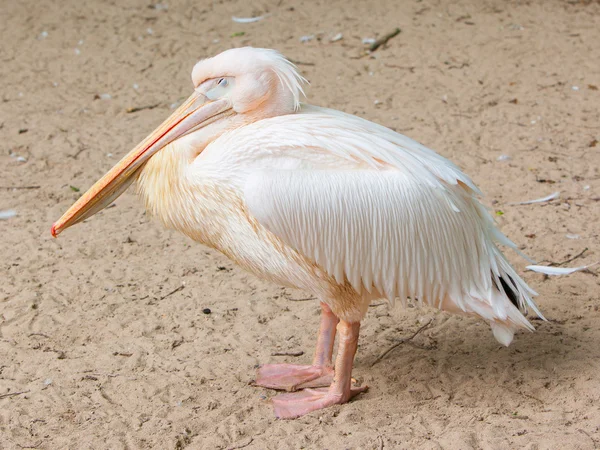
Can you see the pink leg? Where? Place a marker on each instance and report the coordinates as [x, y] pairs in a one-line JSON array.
[[291, 377], [289, 406], [326, 337]]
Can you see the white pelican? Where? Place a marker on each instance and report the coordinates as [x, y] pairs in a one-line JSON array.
[[319, 200]]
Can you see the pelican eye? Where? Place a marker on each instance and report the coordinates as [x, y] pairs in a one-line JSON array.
[[221, 88]]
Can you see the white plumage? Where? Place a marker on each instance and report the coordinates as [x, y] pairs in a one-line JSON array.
[[321, 200], [374, 207]]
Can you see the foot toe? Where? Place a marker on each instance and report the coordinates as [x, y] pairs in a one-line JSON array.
[[291, 377], [296, 404]]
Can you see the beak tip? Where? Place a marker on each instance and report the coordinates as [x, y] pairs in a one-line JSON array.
[[53, 231]]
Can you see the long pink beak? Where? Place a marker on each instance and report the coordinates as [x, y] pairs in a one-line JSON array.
[[195, 112]]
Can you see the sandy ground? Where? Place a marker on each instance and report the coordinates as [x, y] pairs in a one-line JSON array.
[[103, 342]]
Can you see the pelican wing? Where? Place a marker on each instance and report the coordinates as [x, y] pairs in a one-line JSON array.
[[404, 221]]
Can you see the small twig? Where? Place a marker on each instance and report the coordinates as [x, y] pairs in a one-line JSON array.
[[242, 445], [176, 343], [300, 299], [291, 353], [384, 39], [526, 395], [19, 187], [36, 445], [402, 341], [578, 255], [78, 152], [12, 394], [395, 66], [380, 439], [301, 63], [463, 65], [588, 435], [141, 108], [39, 334], [172, 292]]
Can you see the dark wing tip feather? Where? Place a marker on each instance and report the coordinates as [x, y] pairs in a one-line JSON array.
[[512, 295]]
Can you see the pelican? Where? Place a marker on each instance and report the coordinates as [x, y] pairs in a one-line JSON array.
[[319, 200]]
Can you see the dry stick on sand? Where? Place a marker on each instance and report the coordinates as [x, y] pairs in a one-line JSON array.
[[36, 445], [292, 353], [141, 108], [19, 187], [384, 39], [403, 341], [301, 63], [173, 292], [242, 445], [12, 394], [300, 299], [578, 255]]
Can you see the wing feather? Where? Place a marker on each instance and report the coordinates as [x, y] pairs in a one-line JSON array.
[[375, 208], [379, 229]]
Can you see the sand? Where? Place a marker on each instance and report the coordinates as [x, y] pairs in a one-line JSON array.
[[103, 342]]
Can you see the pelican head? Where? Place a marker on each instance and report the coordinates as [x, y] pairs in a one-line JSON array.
[[232, 89]]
